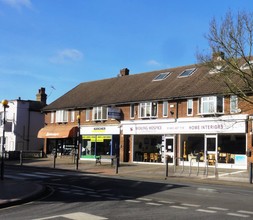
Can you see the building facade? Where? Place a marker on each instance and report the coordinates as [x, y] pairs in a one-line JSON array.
[[180, 113], [23, 121]]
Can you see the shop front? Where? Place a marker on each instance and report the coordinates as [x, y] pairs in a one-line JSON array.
[[99, 141], [59, 139], [219, 141]]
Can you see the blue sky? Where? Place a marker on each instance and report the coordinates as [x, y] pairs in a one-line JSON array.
[[58, 44]]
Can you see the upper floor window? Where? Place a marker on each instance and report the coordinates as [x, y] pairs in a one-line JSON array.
[[190, 107], [52, 117], [165, 109], [99, 113], [148, 109], [132, 110], [87, 115], [233, 104], [61, 116], [72, 116], [211, 105]]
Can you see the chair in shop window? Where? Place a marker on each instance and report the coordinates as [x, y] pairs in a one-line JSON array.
[[211, 159], [152, 157], [146, 157], [157, 157]]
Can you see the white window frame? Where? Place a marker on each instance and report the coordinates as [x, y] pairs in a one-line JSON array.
[[234, 104], [61, 116], [148, 109], [52, 116], [189, 107], [99, 113], [87, 115], [132, 110], [165, 109], [209, 105], [72, 116]]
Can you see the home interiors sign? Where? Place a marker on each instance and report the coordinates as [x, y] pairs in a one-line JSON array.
[[186, 127]]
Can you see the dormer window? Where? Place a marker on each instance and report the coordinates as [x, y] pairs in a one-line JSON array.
[[148, 109], [187, 72]]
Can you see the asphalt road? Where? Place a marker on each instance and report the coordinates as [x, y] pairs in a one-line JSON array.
[[74, 195]]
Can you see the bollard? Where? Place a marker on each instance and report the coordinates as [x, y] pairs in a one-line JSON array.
[[167, 166], [21, 157], [55, 155], [117, 165], [250, 173]]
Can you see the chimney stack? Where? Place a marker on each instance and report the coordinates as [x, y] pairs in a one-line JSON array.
[[218, 56], [124, 72], [41, 96]]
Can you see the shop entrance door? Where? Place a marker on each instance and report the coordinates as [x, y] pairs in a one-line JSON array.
[[169, 149], [211, 149]]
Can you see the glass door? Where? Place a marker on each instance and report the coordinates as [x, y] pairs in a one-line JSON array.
[[211, 149], [169, 149]]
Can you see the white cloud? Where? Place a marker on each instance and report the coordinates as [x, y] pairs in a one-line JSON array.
[[67, 55], [153, 63], [18, 4]]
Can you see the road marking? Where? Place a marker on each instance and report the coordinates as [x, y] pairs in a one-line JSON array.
[[205, 210], [153, 203], [238, 215], [218, 208], [144, 199], [75, 216], [179, 207], [133, 201], [227, 174], [190, 205], [245, 212], [166, 202]]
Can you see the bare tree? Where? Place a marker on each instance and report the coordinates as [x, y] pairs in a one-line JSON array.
[[230, 58]]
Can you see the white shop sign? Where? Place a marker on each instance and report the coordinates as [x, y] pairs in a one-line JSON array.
[[100, 130], [186, 127]]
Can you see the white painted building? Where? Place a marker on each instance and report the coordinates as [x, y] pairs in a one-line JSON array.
[[23, 121]]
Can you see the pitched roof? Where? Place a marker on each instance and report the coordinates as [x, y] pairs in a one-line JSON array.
[[139, 87]]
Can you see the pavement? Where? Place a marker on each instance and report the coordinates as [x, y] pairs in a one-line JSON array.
[[14, 192]]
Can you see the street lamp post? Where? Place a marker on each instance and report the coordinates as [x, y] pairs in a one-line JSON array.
[[5, 105], [78, 141]]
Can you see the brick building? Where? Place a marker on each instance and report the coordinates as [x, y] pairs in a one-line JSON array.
[[181, 112]]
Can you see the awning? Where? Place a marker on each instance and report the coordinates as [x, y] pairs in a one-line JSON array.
[[63, 131]]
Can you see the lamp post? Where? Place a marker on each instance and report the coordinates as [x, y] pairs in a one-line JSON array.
[[5, 105], [78, 141]]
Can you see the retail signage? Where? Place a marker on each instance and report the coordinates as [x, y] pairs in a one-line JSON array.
[[97, 138], [114, 113], [186, 127], [90, 130]]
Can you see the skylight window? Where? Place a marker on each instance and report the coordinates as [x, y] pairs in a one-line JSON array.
[[161, 76], [187, 72]]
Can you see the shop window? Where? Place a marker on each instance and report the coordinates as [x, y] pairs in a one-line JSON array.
[[99, 113], [165, 109], [61, 116], [148, 109], [211, 105], [233, 104], [190, 107]]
